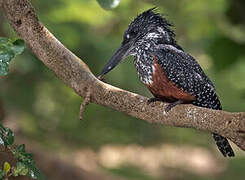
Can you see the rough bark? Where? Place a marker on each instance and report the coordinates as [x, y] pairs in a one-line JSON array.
[[76, 74]]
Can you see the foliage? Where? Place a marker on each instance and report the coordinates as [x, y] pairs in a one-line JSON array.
[[25, 165], [9, 50]]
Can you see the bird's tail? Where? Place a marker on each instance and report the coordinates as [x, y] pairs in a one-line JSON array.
[[223, 145]]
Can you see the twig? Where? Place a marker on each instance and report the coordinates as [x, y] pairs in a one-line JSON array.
[[85, 102]]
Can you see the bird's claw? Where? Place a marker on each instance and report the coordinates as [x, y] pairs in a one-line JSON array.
[[171, 105], [154, 99]]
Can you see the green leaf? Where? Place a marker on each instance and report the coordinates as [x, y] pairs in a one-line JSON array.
[[1, 140], [18, 46], [6, 168], [6, 136], [3, 40], [2, 130], [10, 136], [20, 169], [8, 51], [1, 174], [1, 127], [29, 169], [108, 4], [21, 154], [34, 173], [21, 148], [18, 151]]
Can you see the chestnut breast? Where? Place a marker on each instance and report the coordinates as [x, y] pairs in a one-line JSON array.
[[162, 87]]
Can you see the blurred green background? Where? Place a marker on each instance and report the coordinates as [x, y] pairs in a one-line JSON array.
[[44, 112]]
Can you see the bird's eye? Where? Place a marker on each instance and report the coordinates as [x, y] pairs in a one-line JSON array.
[[129, 35]]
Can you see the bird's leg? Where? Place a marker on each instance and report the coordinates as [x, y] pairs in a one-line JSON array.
[[171, 105], [161, 99]]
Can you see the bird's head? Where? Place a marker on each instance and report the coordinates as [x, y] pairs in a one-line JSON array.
[[146, 29]]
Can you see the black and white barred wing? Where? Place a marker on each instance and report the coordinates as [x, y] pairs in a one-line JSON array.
[[184, 71]]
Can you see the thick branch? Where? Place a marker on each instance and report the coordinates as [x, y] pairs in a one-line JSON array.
[[75, 73]]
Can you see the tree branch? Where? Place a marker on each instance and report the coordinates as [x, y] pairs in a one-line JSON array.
[[76, 74]]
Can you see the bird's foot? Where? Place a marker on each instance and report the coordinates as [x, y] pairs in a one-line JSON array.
[[154, 99], [171, 105]]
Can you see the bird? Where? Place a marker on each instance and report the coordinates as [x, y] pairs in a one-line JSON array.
[[170, 74]]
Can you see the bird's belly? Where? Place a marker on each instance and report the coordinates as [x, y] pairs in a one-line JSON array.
[[163, 88]]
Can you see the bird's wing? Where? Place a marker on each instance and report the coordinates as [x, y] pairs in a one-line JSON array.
[[184, 71]]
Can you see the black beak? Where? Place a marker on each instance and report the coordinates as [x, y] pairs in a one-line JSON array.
[[122, 53]]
